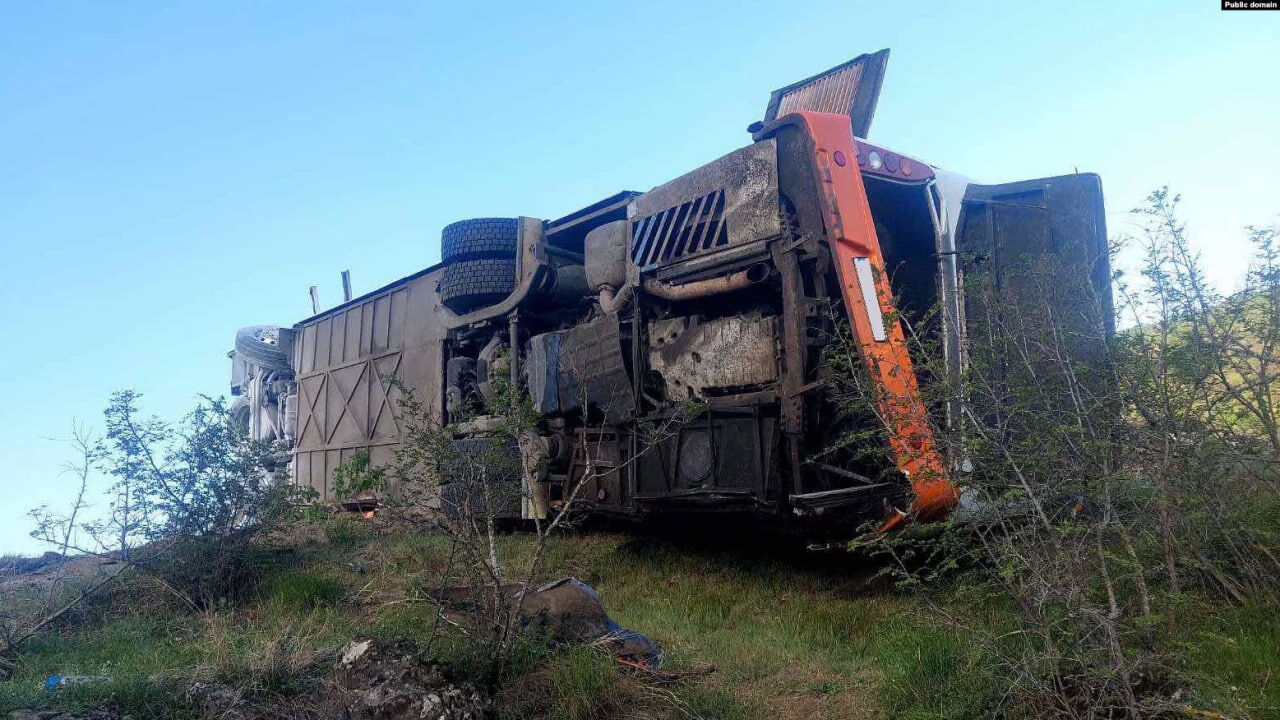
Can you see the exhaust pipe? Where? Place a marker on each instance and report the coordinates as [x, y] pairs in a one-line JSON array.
[[711, 286], [613, 300]]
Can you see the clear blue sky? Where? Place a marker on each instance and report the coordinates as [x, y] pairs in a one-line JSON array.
[[170, 171]]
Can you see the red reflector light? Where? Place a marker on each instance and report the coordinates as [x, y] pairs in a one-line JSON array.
[[882, 163]]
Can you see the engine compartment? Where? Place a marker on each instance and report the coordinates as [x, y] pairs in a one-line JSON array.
[[705, 298]]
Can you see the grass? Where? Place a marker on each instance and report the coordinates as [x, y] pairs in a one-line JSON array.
[[787, 637], [788, 641], [1233, 655], [582, 683], [304, 588], [133, 696]]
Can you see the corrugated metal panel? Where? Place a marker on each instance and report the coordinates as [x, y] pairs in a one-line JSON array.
[[829, 94], [852, 89], [346, 402], [685, 229], [729, 203]]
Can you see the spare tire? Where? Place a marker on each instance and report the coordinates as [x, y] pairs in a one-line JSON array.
[[479, 238], [267, 346], [471, 284]]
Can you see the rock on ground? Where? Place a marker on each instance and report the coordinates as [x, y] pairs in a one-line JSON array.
[[371, 681], [380, 681]]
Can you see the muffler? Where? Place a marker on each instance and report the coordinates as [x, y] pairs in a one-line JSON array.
[[711, 286]]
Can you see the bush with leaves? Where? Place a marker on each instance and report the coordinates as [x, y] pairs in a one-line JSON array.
[[182, 501], [1112, 475]]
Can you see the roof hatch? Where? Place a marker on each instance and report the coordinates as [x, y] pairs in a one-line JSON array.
[[851, 88]]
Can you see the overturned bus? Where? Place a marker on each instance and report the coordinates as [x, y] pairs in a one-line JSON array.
[[706, 290]]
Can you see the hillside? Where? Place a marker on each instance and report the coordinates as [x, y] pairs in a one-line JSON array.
[[748, 633]]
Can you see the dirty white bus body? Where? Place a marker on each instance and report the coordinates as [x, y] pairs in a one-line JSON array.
[[707, 288]]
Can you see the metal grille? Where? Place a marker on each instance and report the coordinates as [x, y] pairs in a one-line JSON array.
[[831, 93], [678, 231], [849, 89]]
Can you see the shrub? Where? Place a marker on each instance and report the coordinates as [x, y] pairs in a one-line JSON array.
[[184, 501], [1113, 475], [212, 570], [344, 533]]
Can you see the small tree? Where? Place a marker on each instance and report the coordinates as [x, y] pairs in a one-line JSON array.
[[182, 501], [1105, 489], [475, 473]]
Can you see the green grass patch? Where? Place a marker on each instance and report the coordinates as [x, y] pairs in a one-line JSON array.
[[304, 588], [134, 696], [132, 645], [124, 655], [276, 646], [787, 636], [582, 683], [1231, 656], [342, 532], [934, 671]]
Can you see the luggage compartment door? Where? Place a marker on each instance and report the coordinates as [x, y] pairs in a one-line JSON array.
[[1036, 278]]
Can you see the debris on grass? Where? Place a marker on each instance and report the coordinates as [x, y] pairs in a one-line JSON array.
[[392, 680], [569, 611], [566, 612], [93, 713]]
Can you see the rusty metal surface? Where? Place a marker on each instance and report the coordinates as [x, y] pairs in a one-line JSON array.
[[832, 93], [337, 309], [741, 448], [793, 361], [343, 358], [852, 237], [542, 381], [693, 357], [582, 365], [727, 203], [1034, 262], [592, 371], [692, 226], [601, 450], [569, 231], [606, 255]]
